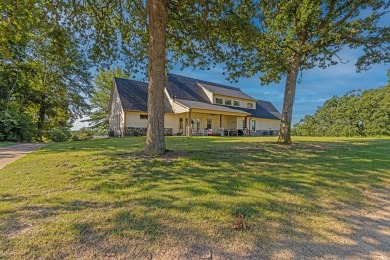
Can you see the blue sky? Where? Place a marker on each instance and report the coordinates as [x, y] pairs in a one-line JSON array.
[[316, 85]]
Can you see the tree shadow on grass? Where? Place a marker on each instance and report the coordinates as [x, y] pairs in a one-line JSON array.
[[184, 206]]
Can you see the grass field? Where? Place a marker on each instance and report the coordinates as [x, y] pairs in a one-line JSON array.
[[5, 144], [105, 199]]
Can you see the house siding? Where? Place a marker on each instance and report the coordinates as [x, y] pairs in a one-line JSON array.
[[116, 115], [208, 93], [133, 120], [266, 124]]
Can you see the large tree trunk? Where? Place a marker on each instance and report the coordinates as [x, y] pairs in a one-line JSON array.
[[157, 12], [288, 103]]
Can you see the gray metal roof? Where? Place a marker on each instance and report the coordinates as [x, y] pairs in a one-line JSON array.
[[206, 106], [134, 95], [226, 91], [264, 109], [187, 91]]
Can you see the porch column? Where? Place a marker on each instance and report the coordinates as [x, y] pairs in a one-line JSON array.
[[189, 133], [249, 125], [246, 125]]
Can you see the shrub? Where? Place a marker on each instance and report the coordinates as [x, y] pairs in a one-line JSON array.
[[58, 134], [82, 135], [15, 127]]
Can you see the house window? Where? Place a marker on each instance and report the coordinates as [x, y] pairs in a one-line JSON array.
[[197, 124], [253, 125], [209, 123], [236, 103], [218, 101], [143, 117], [250, 105], [243, 123], [228, 102]]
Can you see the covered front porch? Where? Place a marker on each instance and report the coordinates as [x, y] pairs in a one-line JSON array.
[[195, 122]]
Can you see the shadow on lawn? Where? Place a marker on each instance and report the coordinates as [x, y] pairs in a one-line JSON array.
[[162, 217], [184, 206]]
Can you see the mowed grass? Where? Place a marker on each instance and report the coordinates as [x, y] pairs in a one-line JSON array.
[[104, 198]]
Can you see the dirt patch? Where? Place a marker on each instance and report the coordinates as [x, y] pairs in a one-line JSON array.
[[294, 147], [168, 156], [66, 165]]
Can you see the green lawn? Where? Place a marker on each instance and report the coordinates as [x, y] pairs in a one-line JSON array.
[[5, 144], [103, 198]]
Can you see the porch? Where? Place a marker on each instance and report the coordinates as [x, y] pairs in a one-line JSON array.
[[195, 123]]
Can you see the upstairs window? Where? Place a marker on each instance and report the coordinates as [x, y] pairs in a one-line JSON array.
[[143, 117], [236, 103], [218, 101], [228, 102], [250, 105]]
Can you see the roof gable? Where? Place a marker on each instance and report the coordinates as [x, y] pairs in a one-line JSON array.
[[226, 91]]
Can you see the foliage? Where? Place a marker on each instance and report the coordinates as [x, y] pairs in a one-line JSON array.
[[100, 98], [140, 33], [106, 196], [43, 72], [280, 38], [82, 134], [58, 134], [356, 113], [15, 127]]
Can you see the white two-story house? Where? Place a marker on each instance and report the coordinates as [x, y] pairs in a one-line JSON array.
[[192, 107]]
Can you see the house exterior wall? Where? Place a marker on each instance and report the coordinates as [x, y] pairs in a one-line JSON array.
[[133, 119], [172, 121], [116, 115], [208, 93], [266, 124]]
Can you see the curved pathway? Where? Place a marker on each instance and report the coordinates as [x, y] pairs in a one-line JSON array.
[[12, 153]]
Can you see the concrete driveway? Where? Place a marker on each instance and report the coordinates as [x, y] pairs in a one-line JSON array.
[[14, 152]]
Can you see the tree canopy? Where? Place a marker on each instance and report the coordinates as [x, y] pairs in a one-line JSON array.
[[43, 70], [281, 38], [357, 113]]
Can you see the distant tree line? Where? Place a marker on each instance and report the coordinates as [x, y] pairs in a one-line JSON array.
[[357, 113]]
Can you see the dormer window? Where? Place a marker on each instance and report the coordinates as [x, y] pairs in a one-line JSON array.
[[228, 102], [236, 103], [218, 101], [250, 105]]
